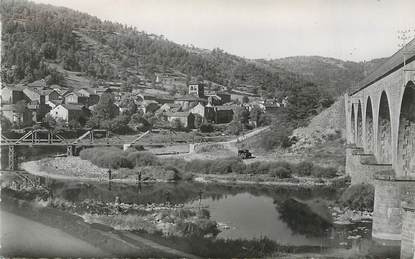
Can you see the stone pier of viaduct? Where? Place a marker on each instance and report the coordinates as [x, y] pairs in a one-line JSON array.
[[380, 126]]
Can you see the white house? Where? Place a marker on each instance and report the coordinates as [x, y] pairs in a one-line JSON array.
[[69, 112]]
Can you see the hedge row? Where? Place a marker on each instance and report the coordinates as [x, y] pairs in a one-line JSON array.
[[112, 157], [235, 165]]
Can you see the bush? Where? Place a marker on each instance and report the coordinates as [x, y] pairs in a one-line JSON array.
[[142, 158], [276, 138], [304, 168], [111, 157], [206, 128], [106, 157], [280, 172], [358, 197], [324, 172]]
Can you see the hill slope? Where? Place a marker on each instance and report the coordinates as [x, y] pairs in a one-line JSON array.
[[35, 35], [333, 74]]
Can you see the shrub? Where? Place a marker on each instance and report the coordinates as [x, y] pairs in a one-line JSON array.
[[324, 172], [280, 172], [304, 168], [210, 148], [142, 158], [275, 138], [358, 197], [206, 128]]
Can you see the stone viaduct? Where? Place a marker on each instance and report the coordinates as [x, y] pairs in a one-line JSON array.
[[380, 129]]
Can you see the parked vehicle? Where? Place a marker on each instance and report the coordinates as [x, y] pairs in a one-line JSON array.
[[244, 154]]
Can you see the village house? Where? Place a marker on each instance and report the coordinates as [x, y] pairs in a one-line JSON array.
[[186, 118], [62, 91], [53, 103], [169, 107], [36, 103], [19, 116], [197, 89], [207, 112], [12, 94], [69, 112], [93, 97], [76, 98], [224, 113], [34, 95], [218, 98], [189, 101], [51, 95]]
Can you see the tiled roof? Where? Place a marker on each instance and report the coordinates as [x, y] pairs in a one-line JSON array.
[[393, 63], [32, 94]]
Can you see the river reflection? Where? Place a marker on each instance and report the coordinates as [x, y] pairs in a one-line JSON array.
[[250, 212]]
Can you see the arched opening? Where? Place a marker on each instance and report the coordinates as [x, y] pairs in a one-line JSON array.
[[406, 137], [352, 126], [369, 126], [359, 135], [384, 131]]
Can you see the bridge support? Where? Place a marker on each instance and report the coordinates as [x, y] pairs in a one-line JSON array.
[[362, 167], [390, 191], [408, 230], [12, 158]]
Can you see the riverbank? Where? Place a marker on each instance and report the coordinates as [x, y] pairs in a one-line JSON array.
[[76, 168]]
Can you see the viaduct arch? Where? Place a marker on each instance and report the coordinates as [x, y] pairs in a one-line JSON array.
[[380, 131]]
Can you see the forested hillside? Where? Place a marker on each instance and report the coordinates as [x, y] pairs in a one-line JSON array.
[[336, 75], [35, 34]]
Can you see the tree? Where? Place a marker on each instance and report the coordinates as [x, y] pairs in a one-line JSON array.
[[20, 106], [54, 77], [177, 124], [255, 114], [49, 121], [245, 99], [74, 125], [235, 127], [198, 121], [6, 125], [106, 109], [241, 115]]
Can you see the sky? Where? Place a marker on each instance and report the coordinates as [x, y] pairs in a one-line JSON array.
[[355, 30]]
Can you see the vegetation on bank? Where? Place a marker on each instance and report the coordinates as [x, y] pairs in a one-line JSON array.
[[358, 197], [115, 158]]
